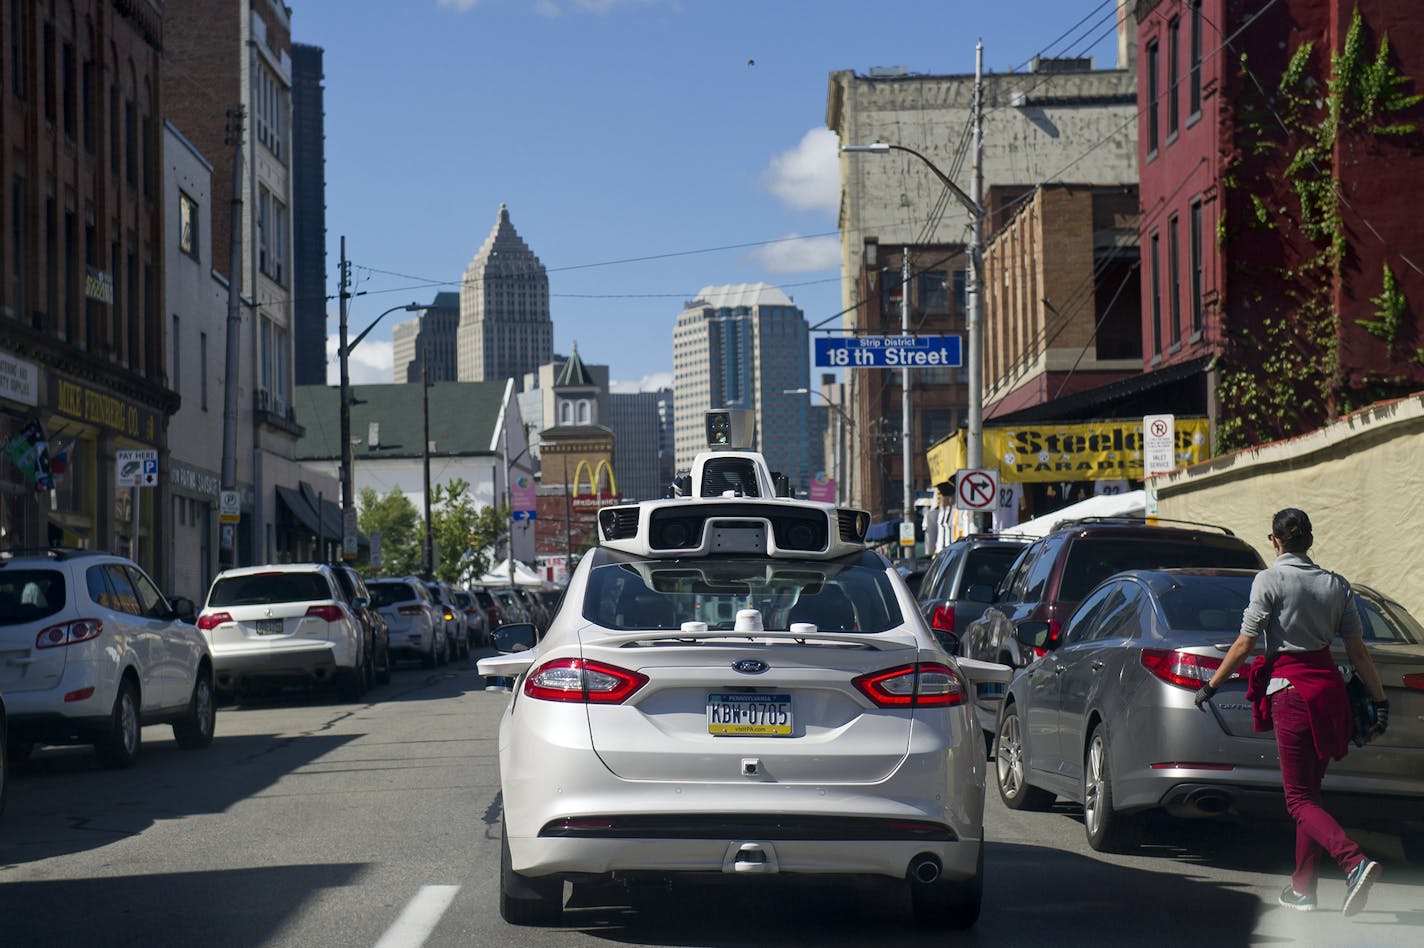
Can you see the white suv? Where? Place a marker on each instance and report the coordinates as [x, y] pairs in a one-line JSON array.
[[91, 651], [284, 623]]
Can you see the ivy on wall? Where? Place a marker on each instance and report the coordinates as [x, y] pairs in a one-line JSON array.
[[1280, 367]]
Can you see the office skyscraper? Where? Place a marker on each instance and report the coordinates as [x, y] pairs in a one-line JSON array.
[[505, 326]]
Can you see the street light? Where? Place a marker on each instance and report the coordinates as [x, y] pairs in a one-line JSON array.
[[348, 501], [842, 466], [973, 203]]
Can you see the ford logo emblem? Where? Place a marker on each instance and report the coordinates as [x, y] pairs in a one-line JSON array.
[[749, 666]]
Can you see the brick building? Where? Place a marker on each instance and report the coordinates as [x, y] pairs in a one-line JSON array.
[[1281, 269], [82, 334]]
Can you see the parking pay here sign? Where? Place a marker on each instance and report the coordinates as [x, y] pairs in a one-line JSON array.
[[976, 490], [136, 468], [887, 352]]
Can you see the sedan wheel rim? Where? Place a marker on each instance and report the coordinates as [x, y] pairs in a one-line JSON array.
[[1010, 757], [1092, 791]]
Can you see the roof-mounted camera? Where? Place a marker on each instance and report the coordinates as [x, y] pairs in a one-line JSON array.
[[731, 429]]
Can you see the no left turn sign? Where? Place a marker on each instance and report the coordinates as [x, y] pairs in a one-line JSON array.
[[976, 490]]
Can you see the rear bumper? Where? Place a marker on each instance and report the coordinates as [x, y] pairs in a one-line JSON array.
[[294, 658], [1386, 813]]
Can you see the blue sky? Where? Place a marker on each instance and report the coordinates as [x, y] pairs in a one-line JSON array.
[[645, 148]]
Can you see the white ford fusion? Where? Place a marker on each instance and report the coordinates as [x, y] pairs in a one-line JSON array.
[[735, 688]]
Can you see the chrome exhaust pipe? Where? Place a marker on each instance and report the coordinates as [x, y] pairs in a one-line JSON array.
[[924, 868]]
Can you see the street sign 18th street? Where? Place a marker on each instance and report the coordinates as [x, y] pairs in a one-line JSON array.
[[887, 352]]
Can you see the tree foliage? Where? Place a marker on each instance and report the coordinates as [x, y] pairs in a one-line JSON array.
[[401, 529], [464, 533]]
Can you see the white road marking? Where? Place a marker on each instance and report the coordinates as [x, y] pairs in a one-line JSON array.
[[419, 918]]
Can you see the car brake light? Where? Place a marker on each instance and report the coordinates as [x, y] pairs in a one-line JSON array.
[[574, 679], [942, 619], [1414, 682], [327, 613], [69, 633], [1180, 668], [926, 684], [211, 620]]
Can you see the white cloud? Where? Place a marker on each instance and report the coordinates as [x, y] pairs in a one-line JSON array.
[[550, 9], [649, 383], [796, 254], [371, 363], [807, 177]]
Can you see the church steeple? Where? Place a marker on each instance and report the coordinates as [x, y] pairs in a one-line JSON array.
[[574, 373]]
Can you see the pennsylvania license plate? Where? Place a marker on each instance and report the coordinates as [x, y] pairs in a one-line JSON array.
[[269, 626], [749, 715]]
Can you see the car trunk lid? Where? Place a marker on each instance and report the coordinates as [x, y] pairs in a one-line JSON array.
[[715, 705]]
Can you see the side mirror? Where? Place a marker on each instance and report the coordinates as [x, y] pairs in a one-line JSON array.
[[184, 609], [980, 592], [1034, 635], [361, 602], [515, 637]]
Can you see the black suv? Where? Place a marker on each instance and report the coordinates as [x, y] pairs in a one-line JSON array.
[[1055, 573], [378, 639], [960, 582]]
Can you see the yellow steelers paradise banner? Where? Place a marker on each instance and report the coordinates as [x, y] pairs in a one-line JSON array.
[[1055, 451]]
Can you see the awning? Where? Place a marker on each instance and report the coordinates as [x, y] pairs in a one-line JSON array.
[[882, 531], [303, 503]]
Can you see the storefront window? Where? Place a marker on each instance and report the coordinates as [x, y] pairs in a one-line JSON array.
[[72, 502]]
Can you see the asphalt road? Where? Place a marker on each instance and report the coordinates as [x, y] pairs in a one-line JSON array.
[[312, 823]]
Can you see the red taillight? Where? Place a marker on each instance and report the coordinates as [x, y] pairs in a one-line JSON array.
[[942, 619], [573, 679], [1182, 668], [211, 620], [1414, 682], [69, 633], [327, 613], [926, 685]]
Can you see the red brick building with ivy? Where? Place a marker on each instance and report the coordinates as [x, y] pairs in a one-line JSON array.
[[1280, 145]]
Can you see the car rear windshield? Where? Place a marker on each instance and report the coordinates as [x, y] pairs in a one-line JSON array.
[[1207, 603], [664, 594], [28, 595], [485, 598], [1093, 559], [387, 594], [986, 565], [257, 588]]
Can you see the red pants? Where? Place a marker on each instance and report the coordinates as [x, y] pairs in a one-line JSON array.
[[1302, 771]]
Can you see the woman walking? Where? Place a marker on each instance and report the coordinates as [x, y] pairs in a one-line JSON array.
[[1297, 689]]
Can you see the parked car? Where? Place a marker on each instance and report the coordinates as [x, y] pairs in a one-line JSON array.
[[4, 761], [454, 619], [1053, 574], [511, 607], [1106, 718], [494, 616], [283, 624], [91, 651], [960, 581], [736, 707], [534, 607], [378, 641], [476, 625], [416, 621]]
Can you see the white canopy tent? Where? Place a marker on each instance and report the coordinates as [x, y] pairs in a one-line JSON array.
[[1131, 504], [498, 575]]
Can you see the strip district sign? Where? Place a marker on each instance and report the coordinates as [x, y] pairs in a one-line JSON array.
[[887, 352]]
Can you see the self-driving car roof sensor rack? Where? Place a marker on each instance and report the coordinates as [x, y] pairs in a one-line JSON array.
[[732, 503]]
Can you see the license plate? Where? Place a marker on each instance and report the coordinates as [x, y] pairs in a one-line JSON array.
[[749, 715], [269, 626]]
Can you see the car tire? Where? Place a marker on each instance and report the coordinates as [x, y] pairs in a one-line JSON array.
[[949, 904], [524, 900], [370, 665], [1109, 830], [431, 658], [351, 683], [118, 746], [195, 729], [1012, 769]]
